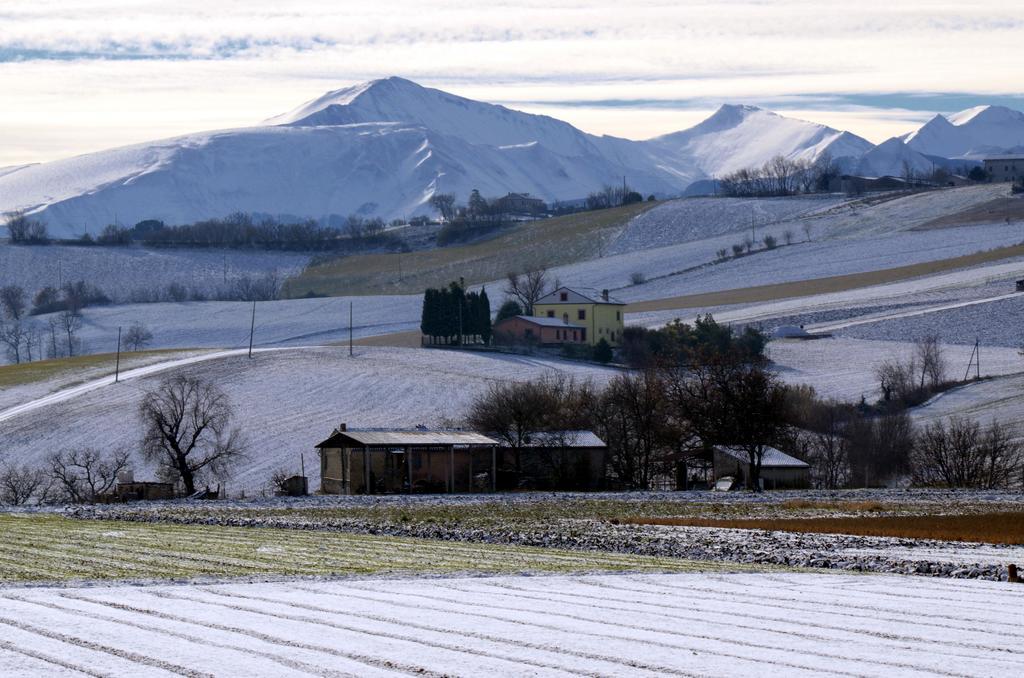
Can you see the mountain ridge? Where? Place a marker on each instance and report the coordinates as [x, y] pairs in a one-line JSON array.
[[384, 147]]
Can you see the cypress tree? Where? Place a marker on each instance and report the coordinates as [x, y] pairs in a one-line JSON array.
[[426, 315], [483, 316]]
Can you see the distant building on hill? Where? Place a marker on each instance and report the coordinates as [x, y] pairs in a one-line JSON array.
[[521, 204], [1002, 168], [598, 315]]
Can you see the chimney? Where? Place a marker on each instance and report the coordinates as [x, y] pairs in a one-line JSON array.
[[604, 294], [343, 427]]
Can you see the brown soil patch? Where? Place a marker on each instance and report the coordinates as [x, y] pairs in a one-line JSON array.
[[836, 283], [988, 528], [1000, 209]]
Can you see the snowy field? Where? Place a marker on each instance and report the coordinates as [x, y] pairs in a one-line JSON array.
[[287, 401], [120, 271], [756, 624], [679, 221], [845, 368], [225, 324], [687, 268], [1000, 399]]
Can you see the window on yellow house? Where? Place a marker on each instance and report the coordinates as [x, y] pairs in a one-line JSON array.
[[581, 314]]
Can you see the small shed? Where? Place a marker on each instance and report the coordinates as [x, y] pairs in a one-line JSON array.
[[779, 471], [1020, 285], [385, 461], [143, 491]]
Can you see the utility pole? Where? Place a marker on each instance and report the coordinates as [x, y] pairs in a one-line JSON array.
[[252, 326], [117, 363], [350, 329], [60, 274]]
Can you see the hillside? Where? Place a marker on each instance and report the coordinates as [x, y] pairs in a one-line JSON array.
[[545, 243]]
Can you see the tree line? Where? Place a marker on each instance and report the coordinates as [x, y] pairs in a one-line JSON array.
[[781, 176], [453, 316], [678, 403]]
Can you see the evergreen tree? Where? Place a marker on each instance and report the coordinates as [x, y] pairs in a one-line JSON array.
[[483, 316], [603, 351], [427, 314]]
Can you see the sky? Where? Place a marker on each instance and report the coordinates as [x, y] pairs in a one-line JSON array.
[[84, 75]]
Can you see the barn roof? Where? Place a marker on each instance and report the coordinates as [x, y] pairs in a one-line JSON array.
[[773, 458], [404, 437], [578, 295], [547, 322], [560, 439]]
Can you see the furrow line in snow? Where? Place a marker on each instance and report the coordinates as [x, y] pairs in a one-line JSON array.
[[133, 657], [725, 640], [908, 617], [854, 597], [278, 659], [49, 659], [459, 632], [985, 650], [405, 623], [548, 596], [829, 597], [366, 660], [729, 639], [870, 583], [700, 616]]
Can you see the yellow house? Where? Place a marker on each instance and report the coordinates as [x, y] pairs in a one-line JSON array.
[[601, 316]]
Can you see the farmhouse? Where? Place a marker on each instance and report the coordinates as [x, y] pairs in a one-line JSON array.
[[1005, 168], [525, 329], [421, 460], [779, 471], [520, 204], [597, 314]]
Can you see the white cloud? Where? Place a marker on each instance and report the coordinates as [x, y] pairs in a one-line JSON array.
[[80, 75]]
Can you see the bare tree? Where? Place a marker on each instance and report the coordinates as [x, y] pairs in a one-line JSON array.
[[960, 454], [85, 475], [930, 360], [21, 229], [444, 203], [19, 484], [527, 288], [13, 336], [137, 337], [70, 322], [188, 431], [13, 301], [633, 417], [726, 401], [829, 445]]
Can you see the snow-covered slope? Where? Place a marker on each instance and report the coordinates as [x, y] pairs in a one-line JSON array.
[[737, 137], [891, 158], [973, 133]]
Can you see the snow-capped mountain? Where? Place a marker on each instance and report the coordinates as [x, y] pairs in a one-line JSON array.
[[973, 133], [892, 158], [384, 147], [737, 137]]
